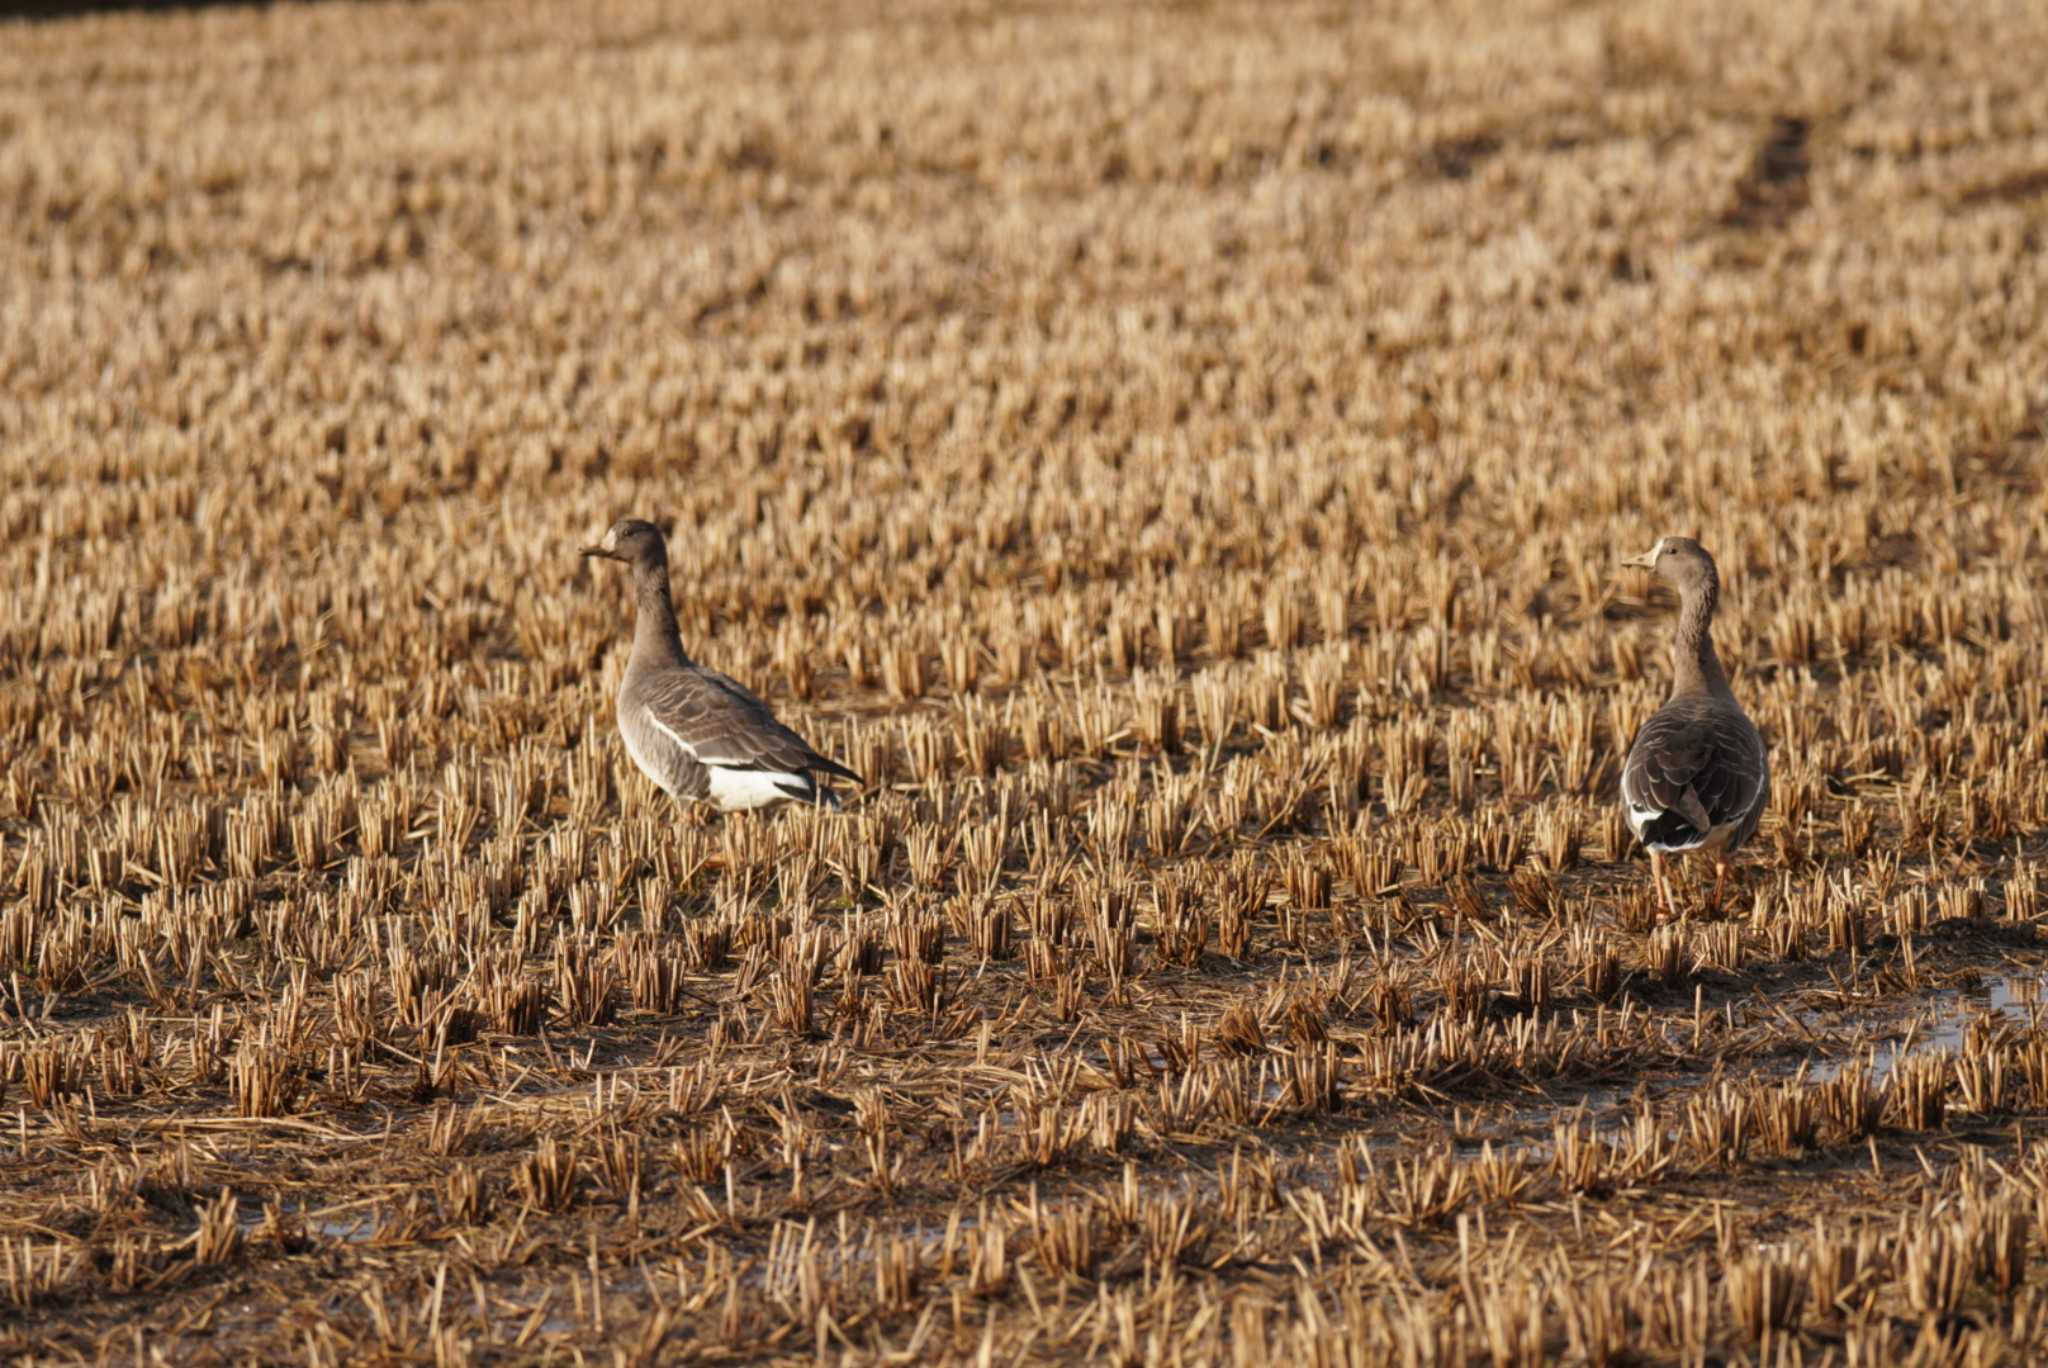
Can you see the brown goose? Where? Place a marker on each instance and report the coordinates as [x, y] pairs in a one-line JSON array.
[[696, 733], [1697, 777]]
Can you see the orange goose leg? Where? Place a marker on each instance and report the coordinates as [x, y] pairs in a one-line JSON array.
[[1663, 887]]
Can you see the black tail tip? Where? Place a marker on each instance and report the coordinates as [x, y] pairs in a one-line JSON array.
[[817, 795], [1669, 831]]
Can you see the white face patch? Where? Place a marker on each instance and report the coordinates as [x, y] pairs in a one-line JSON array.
[[611, 539]]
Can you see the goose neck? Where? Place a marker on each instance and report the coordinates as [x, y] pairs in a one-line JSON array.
[[1696, 667], [656, 636]]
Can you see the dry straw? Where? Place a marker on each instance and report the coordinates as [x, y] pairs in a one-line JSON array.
[[1177, 457]]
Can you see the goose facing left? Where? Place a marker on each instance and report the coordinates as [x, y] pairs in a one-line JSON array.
[[696, 733]]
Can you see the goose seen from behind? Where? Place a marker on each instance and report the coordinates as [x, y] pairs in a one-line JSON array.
[[696, 733], [1697, 777]]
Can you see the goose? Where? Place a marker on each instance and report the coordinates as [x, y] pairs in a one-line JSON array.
[[1697, 776], [698, 734]]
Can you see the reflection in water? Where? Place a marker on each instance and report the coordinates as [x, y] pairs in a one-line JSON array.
[[2014, 998]]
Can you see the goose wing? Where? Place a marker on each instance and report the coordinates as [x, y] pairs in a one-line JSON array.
[[720, 724], [1691, 771]]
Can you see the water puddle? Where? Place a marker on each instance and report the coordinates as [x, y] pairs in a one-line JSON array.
[[1940, 1026], [348, 1227], [253, 1214]]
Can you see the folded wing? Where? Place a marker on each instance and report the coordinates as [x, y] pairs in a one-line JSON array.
[[1691, 772], [707, 735]]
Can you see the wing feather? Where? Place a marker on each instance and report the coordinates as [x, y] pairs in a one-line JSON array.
[[724, 725], [1699, 761]]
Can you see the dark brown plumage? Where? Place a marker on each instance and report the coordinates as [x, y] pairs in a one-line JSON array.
[[696, 733], [1697, 776]]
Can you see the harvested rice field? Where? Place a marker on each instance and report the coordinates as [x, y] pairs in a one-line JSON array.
[[1179, 456]]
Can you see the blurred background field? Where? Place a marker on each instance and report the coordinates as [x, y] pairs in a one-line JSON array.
[[1179, 455]]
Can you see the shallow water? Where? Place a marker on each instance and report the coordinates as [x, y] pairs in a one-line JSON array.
[[2015, 997]]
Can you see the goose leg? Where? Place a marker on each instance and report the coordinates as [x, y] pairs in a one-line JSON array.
[[1663, 886], [1720, 879]]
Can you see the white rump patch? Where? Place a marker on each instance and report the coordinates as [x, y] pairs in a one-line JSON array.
[[733, 789], [1640, 818]]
